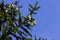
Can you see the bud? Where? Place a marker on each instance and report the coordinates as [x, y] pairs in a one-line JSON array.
[[6, 11], [33, 23], [16, 9], [12, 5], [29, 17]]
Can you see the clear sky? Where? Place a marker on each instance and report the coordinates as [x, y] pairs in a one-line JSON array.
[[48, 18]]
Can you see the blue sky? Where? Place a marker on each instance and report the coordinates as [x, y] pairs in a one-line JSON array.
[[48, 18]]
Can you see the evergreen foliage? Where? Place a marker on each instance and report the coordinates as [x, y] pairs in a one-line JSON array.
[[11, 21]]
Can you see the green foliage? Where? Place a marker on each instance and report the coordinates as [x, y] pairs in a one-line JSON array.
[[10, 24]]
